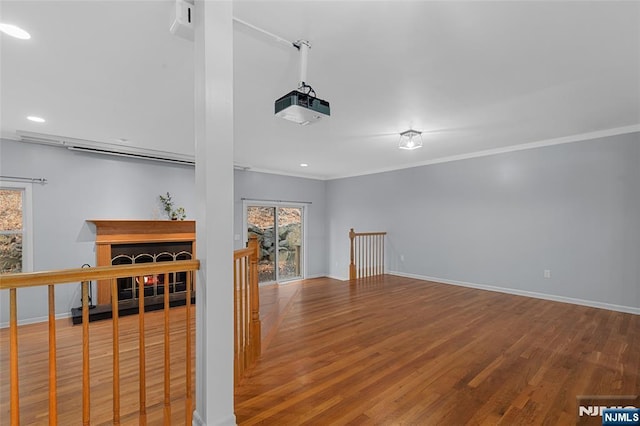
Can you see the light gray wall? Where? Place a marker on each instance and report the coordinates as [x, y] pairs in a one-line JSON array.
[[253, 185], [80, 187], [497, 221], [502, 220]]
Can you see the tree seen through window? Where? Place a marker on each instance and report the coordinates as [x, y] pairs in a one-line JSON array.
[[11, 230]]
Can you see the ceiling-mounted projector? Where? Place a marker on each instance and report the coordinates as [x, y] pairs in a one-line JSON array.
[[301, 108], [301, 105]]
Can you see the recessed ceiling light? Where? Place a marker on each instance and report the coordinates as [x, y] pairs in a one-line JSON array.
[[36, 119], [304, 165], [14, 31]]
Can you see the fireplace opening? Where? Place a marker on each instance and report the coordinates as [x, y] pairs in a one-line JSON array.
[[151, 286]]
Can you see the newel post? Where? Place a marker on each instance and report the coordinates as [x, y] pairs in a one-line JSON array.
[[255, 297], [352, 263]]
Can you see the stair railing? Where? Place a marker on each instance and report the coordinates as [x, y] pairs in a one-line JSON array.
[[366, 254], [246, 308], [13, 282]]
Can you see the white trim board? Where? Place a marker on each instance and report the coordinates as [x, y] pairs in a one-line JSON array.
[[552, 297]]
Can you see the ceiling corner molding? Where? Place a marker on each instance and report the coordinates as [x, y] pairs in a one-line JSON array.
[[282, 173], [583, 137]]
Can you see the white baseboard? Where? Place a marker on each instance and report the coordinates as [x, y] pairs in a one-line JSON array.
[[227, 421], [196, 420], [310, 277], [545, 296], [36, 320], [334, 277]]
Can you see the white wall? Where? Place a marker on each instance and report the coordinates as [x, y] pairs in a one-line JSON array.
[[255, 185], [501, 220], [83, 186]]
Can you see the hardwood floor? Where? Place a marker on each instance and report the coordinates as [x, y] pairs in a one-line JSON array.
[[383, 351], [400, 351], [33, 368]]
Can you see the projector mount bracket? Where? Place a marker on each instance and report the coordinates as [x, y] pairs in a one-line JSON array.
[[302, 46]]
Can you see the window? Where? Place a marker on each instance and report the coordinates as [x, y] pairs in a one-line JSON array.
[[15, 247]]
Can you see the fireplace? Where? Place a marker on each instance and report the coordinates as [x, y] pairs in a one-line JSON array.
[[125, 242], [152, 286]]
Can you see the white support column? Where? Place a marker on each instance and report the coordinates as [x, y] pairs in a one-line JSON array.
[[213, 53]]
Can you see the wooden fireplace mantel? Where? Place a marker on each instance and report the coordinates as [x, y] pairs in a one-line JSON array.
[[111, 232], [143, 231]]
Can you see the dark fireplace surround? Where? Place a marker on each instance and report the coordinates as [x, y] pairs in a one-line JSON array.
[[154, 285]]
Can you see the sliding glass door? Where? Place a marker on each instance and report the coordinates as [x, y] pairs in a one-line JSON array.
[[279, 230]]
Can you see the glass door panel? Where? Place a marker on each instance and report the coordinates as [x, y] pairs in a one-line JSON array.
[[279, 231], [261, 222], [289, 243]]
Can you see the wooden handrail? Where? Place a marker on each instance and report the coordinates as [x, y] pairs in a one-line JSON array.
[[245, 252], [366, 234], [366, 254], [246, 307], [34, 279], [12, 282]]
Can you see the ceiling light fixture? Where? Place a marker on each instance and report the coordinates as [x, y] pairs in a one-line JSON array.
[[411, 139], [36, 119], [14, 31], [304, 165]]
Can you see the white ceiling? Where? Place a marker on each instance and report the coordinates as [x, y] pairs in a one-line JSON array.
[[473, 76]]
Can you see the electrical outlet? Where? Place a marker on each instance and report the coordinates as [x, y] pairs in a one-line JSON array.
[[402, 258], [236, 237], [547, 273]]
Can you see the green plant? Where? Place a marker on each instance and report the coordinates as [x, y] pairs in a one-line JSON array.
[[167, 205], [179, 214]]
